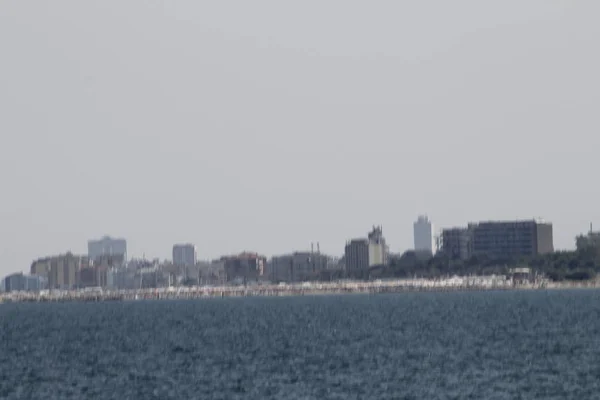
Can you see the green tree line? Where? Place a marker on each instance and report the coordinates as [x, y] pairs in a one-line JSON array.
[[557, 266]]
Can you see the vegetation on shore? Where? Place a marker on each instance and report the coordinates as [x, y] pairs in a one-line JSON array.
[[559, 266]]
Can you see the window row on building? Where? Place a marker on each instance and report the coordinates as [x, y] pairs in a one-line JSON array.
[[498, 239]]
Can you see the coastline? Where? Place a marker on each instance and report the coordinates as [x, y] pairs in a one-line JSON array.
[[455, 284]]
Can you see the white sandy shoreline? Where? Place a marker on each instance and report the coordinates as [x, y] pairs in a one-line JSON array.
[[455, 284]]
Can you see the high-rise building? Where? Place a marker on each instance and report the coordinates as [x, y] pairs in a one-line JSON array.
[[62, 271], [184, 255], [500, 239], [424, 235], [107, 246], [360, 254]]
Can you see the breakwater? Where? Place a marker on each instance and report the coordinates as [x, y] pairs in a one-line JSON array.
[[300, 289]]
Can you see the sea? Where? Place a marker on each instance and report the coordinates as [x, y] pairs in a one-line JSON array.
[[472, 345]]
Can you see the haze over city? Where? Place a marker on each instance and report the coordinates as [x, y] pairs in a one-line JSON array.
[[266, 126]]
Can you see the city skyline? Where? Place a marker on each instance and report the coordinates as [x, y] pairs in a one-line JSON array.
[[237, 128], [501, 242], [208, 256], [186, 253]]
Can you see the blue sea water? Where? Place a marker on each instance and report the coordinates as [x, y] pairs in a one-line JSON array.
[[485, 345]]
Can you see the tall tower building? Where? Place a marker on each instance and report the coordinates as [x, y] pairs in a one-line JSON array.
[[423, 233]]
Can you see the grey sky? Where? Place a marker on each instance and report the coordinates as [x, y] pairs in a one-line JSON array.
[[266, 125]]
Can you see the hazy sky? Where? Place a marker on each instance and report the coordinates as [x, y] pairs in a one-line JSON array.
[[265, 125]]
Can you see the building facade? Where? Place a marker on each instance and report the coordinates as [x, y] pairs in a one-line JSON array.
[[21, 282], [212, 273], [41, 267], [356, 255], [118, 278], [509, 239], [14, 283], [499, 239], [184, 255], [297, 267], [361, 254], [244, 267], [457, 243], [34, 283], [378, 249], [149, 277], [423, 231], [107, 246], [62, 271], [589, 241]]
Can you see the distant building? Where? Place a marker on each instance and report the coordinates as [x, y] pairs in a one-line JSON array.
[[62, 271], [118, 278], [244, 267], [96, 274], [424, 235], [361, 254], [589, 241], [211, 273], [335, 263], [148, 277], [499, 239], [107, 246], [14, 283], [356, 255], [297, 267], [35, 283], [184, 255], [21, 282], [87, 277], [137, 263], [378, 249], [41, 267], [457, 243]]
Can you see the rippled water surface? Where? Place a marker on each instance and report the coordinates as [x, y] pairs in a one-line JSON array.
[[509, 345]]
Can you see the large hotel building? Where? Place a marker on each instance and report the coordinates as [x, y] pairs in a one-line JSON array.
[[499, 239]]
